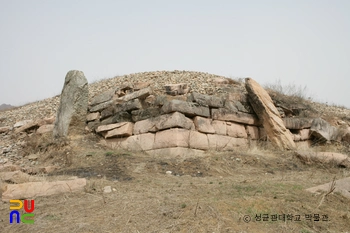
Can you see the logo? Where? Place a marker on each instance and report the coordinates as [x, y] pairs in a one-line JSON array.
[[27, 217]]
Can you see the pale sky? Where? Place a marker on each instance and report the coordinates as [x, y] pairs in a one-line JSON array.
[[301, 42]]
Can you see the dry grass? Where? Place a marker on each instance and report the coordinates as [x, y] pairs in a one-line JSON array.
[[208, 194]]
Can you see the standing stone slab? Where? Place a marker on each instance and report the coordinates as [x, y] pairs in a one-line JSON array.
[[73, 104], [268, 114]]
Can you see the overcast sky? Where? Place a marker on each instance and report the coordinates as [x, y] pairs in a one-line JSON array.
[[301, 42]]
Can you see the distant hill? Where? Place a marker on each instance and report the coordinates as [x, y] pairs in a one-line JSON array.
[[5, 106]]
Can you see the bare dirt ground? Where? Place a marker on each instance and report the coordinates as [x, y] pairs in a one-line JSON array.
[[221, 192]]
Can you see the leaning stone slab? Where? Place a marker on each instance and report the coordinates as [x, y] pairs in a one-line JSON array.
[[297, 122], [45, 129], [342, 186], [31, 190], [166, 121], [203, 125], [73, 104], [124, 130], [207, 100], [172, 138], [239, 117], [225, 143], [322, 130], [141, 94], [32, 125], [103, 97], [268, 114], [21, 123], [187, 108]]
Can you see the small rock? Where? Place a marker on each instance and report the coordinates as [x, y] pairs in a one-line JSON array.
[[107, 189], [32, 157], [169, 172]]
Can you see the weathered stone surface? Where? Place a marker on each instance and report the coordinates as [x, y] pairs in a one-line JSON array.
[[141, 85], [93, 116], [29, 126], [252, 132], [203, 125], [141, 94], [237, 95], [141, 142], [45, 129], [297, 122], [239, 117], [268, 114], [225, 143], [198, 140], [128, 106], [303, 145], [107, 112], [21, 123], [177, 89], [103, 97], [322, 130], [219, 127], [304, 134], [104, 128], [296, 137], [17, 177], [207, 100], [50, 120], [101, 106], [118, 117], [73, 104], [176, 152], [324, 157], [5, 129], [171, 138], [124, 130], [342, 186], [36, 189], [187, 108], [142, 114], [160, 100], [236, 130], [167, 121], [92, 125]]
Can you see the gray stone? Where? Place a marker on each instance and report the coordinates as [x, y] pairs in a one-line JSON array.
[[118, 117], [239, 117], [322, 130], [101, 106], [207, 100], [297, 122], [103, 97], [141, 94], [203, 125], [128, 106], [93, 116], [107, 112], [142, 114], [73, 104], [187, 108], [177, 89]]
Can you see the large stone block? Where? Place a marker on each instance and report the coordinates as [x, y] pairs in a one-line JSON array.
[[117, 117], [225, 143], [219, 127], [93, 116], [207, 100], [162, 122], [128, 106], [236, 130], [124, 130], [322, 130], [198, 140], [141, 94], [187, 108], [142, 114], [101, 106], [203, 125], [252, 132], [103, 97], [141, 142], [297, 122], [239, 117], [172, 138]]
